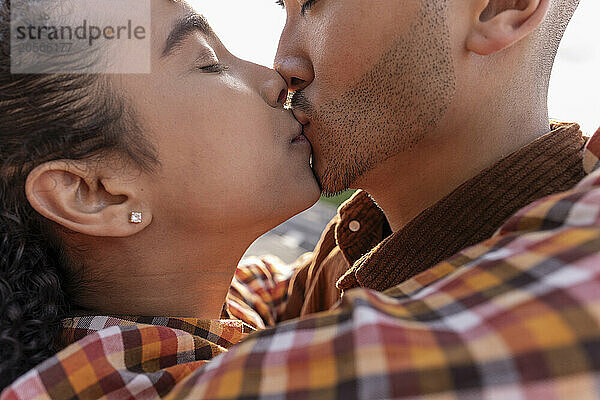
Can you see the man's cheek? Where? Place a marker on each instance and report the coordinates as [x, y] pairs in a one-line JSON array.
[[342, 63], [339, 75]]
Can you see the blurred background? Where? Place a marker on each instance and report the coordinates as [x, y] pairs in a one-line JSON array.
[[250, 29]]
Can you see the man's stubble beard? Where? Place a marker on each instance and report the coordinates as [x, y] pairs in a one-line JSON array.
[[391, 108]]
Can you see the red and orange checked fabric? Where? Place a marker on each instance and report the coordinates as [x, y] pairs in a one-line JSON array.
[[259, 291], [517, 316]]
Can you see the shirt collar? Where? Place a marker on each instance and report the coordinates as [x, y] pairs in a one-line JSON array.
[[219, 333], [591, 157], [380, 259]]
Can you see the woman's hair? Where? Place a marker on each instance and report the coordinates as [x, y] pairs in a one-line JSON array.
[[43, 118]]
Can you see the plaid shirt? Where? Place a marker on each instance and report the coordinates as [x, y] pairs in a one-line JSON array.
[[517, 316]]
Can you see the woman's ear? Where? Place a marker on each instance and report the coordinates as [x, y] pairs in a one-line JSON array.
[[501, 23], [94, 203]]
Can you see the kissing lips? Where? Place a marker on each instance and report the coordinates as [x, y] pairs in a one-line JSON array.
[[300, 138]]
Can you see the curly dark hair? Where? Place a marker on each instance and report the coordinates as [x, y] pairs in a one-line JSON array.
[[46, 117]]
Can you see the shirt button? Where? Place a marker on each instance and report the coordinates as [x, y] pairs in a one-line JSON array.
[[354, 226]]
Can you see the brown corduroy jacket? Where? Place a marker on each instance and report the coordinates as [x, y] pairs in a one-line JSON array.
[[358, 249]]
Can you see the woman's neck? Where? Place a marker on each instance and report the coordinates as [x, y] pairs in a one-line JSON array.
[[173, 276]]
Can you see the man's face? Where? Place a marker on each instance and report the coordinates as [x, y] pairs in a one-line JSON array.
[[372, 79]]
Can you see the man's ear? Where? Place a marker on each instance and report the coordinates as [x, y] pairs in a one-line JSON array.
[[501, 23], [94, 203]]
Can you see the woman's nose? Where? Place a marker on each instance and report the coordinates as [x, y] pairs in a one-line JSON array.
[[274, 90]]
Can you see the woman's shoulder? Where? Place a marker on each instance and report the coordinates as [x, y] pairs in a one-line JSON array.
[[104, 354]]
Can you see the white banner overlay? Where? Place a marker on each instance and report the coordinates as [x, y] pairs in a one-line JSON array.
[[80, 36]]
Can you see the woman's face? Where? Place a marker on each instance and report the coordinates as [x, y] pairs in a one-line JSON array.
[[231, 156]]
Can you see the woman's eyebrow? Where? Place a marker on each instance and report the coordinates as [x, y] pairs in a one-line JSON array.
[[193, 22]]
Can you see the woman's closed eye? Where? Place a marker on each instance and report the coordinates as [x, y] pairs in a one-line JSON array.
[[214, 68], [207, 61]]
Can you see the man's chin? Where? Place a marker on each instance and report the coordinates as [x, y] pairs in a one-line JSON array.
[[332, 181]]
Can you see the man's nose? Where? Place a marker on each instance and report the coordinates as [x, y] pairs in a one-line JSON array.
[[296, 70]]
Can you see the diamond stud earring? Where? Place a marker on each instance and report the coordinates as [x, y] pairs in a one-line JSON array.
[[135, 217]]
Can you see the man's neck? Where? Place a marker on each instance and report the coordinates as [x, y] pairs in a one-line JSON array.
[[409, 183]]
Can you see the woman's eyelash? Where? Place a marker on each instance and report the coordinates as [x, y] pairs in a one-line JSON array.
[[214, 68]]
